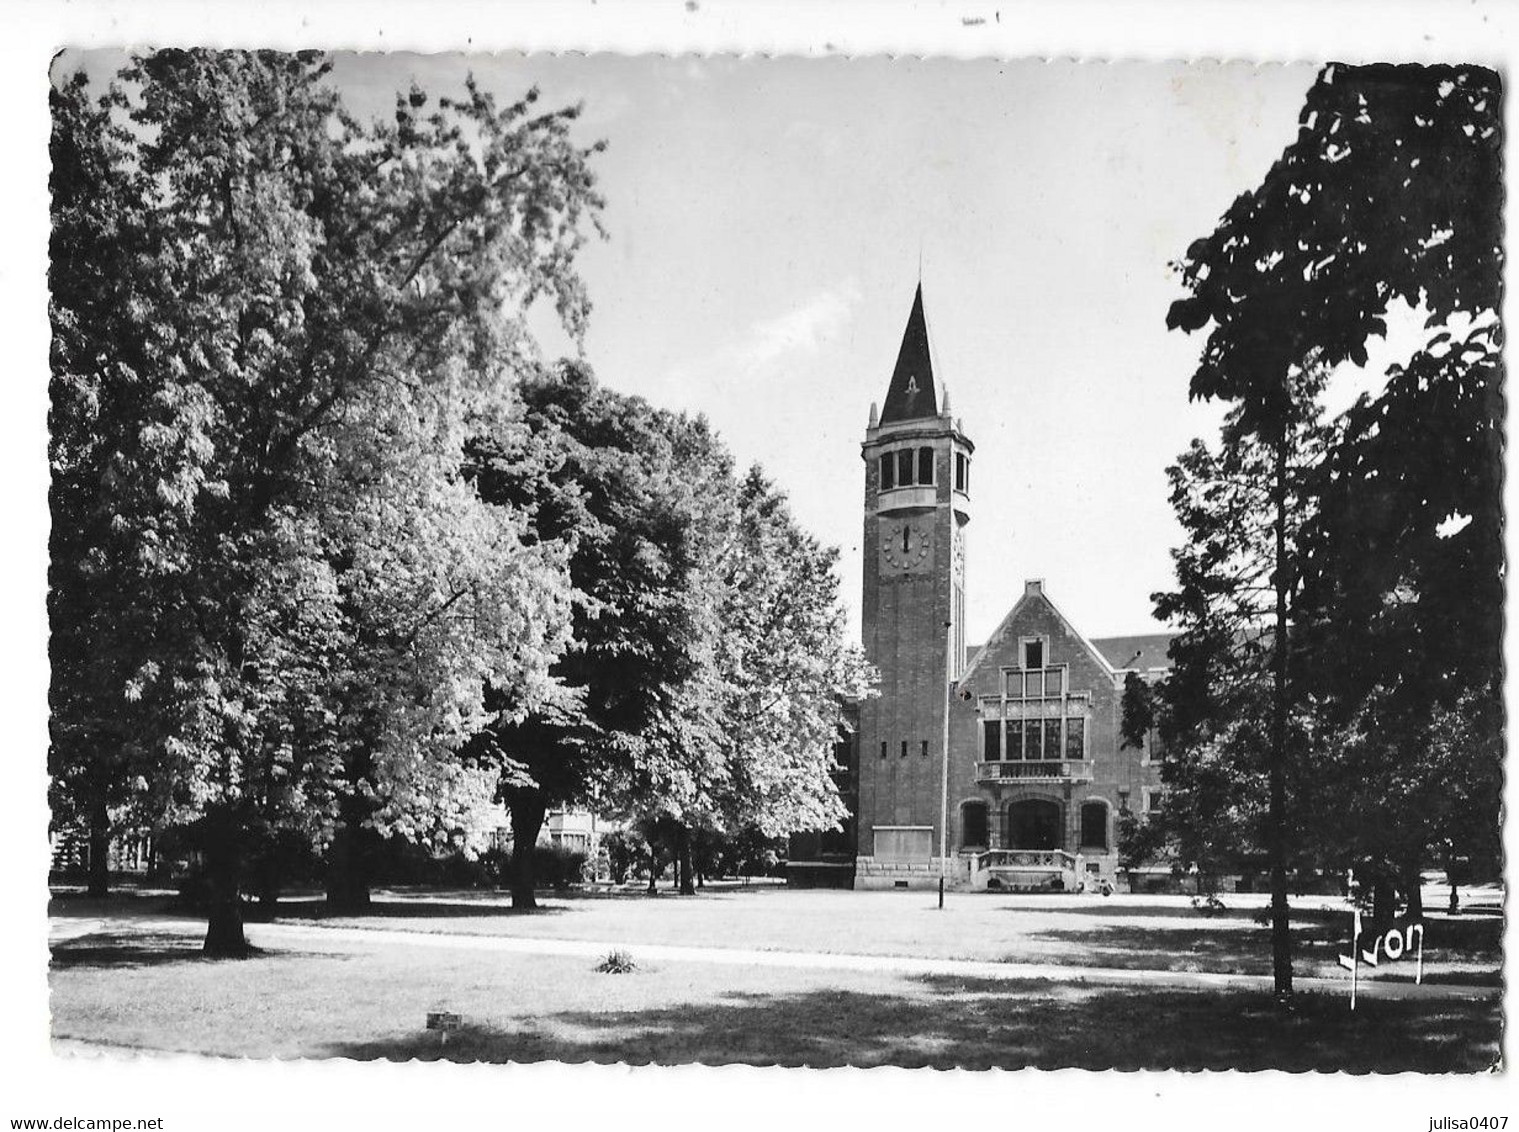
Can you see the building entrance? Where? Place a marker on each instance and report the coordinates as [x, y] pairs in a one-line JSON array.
[[1034, 824]]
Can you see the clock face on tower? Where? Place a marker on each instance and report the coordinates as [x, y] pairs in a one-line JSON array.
[[905, 547]]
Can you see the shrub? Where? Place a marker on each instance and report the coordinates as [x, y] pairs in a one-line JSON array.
[[617, 962], [557, 867], [627, 854]]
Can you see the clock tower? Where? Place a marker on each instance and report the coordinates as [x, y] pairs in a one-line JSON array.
[[917, 505]]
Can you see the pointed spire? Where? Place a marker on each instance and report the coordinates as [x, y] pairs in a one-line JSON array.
[[944, 402], [875, 417], [911, 395]]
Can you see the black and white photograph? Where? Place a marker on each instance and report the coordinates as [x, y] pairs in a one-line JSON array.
[[812, 561]]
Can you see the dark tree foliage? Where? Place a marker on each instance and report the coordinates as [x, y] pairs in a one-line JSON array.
[[1404, 578], [1214, 711], [1391, 193], [709, 661], [1138, 711], [99, 626], [599, 473]]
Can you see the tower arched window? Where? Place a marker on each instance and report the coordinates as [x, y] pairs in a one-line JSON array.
[[888, 471], [904, 467], [925, 465]]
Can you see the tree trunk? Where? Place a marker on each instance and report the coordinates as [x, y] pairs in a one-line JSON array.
[[1413, 891], [224, 924], [528, 809], [653, 871], [347, 871], [1384, 899], [347, 858], [1276, 834], [687, 880], [100, 848]]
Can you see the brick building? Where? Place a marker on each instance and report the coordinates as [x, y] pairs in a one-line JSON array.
[[1037, 770]]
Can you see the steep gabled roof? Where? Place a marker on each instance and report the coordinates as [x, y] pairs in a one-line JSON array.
[[1034, 591], [912, 395], [1143, 652]]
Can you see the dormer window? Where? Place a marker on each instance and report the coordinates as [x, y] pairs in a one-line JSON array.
[[1033, 654]]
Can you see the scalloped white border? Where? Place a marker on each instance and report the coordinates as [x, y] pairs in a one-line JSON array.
[[229, 1094]]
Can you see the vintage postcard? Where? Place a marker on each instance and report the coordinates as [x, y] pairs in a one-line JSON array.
[[795, 562]]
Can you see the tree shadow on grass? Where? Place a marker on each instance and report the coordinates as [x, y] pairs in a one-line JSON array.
[[1181, 913], [154, 949], [1233, 949], [946, 1022], [413, 909], [1186, 947]]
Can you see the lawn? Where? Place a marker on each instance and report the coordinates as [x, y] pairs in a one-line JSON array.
[[131, 987], [1133, 932]]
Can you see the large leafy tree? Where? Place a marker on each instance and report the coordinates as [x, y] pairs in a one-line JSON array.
[[311, 317], [98, 734], [747, 743], [610, 480], [1390, 194], [1214, 711], [1404, 586], [709, 654], [788, 667]]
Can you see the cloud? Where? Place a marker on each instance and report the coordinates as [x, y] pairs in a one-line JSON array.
[[769, 347], [802, 330]]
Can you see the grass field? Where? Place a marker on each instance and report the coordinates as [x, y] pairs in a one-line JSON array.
[[369, 1002], [1132, 932], [124, 976]]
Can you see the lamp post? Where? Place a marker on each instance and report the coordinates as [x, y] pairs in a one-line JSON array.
[[949, 669]]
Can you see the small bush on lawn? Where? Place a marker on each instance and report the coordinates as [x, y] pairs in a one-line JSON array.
[[617, 962]]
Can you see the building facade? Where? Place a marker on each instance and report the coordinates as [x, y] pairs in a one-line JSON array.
[[1001, 766]]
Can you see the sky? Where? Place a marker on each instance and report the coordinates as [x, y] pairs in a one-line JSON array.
[[768, 220]]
